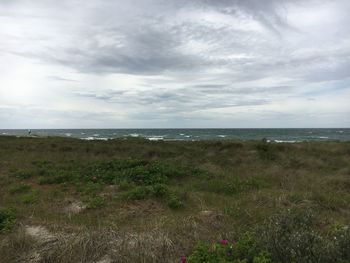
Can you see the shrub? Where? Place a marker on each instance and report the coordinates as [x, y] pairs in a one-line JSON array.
[[262, 257], [19, 188], [89, 188], [125, 185], [160, 190], [7, 219], [266, 151], [246, 247], [157, 191], [23, 174], [138, 193], [96, 202], [341, 238], [174, 202], [225, 252], [234, 186], [54, 179], [143, 176], [290, 237], [202, 253], [30, 197]]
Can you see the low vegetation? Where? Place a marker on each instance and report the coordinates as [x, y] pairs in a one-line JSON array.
[[132, 200]]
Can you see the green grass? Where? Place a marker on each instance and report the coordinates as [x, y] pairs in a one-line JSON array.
[[19, 188], [7, 218], [183, 192]]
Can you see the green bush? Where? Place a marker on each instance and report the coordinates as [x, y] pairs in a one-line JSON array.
[[286, 237], [233, 186], [30, 197], [7, 219], [266, 151], [96, 202], [139, 172], [143, 176], [291, 237], [246, 247], [202, 254], [262, 257], [138, 193], [156, 191], [160, 190], [23, 174], [126, 185], [225, 252], [19, 188], [342, 242], [174, 202], [55, 179], [89, 188]]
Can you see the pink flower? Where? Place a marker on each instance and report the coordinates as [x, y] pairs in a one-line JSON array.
[[224, 242], [183, 259]]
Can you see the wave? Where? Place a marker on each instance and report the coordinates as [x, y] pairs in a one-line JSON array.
[[284, 141], [94, 138], [156, 138]]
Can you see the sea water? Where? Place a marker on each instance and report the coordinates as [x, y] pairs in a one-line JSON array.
[[277, 135]]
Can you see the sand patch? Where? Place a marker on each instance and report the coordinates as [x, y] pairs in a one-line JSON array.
[[105, 259], [75, 207], [39, 233], [45, 241]]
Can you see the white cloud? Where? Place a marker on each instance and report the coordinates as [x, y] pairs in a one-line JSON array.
[[155, 63]]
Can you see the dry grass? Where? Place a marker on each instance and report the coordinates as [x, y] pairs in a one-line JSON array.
[[239, 183]]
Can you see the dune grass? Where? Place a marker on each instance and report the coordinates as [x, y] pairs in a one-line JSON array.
[[162, 198]]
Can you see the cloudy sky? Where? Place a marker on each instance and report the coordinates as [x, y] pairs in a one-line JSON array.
[[174, 63]]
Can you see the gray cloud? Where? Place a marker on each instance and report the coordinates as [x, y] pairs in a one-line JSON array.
[[172, 59]]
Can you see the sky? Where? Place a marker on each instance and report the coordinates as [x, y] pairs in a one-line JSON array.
[[174, 63]]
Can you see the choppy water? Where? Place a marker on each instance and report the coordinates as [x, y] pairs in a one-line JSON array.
[[278, 135]]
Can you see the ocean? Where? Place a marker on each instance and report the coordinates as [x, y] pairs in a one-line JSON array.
[[277, 135]]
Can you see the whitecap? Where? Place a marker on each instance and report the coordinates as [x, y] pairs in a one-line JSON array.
[[68, 134], [88, 138], [283, 141], [222, 136], [101, 139], [157, 138]]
